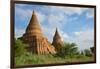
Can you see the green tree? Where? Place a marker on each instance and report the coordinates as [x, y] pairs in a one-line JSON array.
[[87, 52], [19, 47], [82, 53], [69, 49]]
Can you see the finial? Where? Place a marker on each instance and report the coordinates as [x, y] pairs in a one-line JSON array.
[[33, 12], [56, 30]]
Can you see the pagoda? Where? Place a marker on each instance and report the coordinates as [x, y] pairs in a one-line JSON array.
[[57, 41], [33, 36]]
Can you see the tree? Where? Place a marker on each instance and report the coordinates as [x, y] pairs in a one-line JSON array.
[[87, 52], [92, 49], [82, 53], [69, 49], [19, 47]]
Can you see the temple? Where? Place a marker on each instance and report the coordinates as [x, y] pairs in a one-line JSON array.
[[33, 36], [57, 41]]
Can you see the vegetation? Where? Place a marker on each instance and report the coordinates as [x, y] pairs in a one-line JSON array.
[[87, 52], [19, 47], [69, 50], [68, 54]]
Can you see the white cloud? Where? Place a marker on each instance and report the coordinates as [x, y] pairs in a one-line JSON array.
[[87, 34], [68, 10], [85, 39], [20, 5], [64, 35], [56, 20], [90, 14], [22, 13], [19, 32], [77, 33], [40, 16]]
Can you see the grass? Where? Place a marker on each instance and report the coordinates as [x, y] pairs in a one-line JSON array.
[[66, 55], [32, 59]]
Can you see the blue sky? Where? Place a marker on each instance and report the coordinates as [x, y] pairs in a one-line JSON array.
[[74, 24]]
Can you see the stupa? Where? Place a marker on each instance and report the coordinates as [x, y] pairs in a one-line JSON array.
[[57, 41], [33, 36]]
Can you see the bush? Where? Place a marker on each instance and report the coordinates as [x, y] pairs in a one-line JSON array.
[[19, 47], [68, 50], [87, 52]]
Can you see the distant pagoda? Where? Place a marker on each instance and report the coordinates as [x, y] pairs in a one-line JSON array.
[[57, 41], [33, 36]]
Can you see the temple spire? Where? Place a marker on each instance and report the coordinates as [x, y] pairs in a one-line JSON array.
[[33, 36], [57, 41], [57, 34], [33, 26]]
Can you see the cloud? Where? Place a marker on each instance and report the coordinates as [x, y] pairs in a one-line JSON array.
[[90, 13], [50, 23], [85, 39], [22, 13], [63, 35], [19, 32], [66, 10], [56, 20], [73, 10], [40, 16], [87, 34], [77, 33]]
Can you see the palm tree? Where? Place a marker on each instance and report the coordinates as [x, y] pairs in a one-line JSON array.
[[69, 49]]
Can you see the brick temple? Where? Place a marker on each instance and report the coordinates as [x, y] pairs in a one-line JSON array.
[[39, 44]]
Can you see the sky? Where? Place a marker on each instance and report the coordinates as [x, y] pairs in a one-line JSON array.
[[74, 24]]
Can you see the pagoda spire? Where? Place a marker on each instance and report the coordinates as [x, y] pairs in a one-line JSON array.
[[33, 27], [57, 34], [33, 36], [57, 41]]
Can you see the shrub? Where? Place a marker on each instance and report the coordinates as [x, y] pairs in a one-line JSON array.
[[87, 52], [68, 50], [19, 47]]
